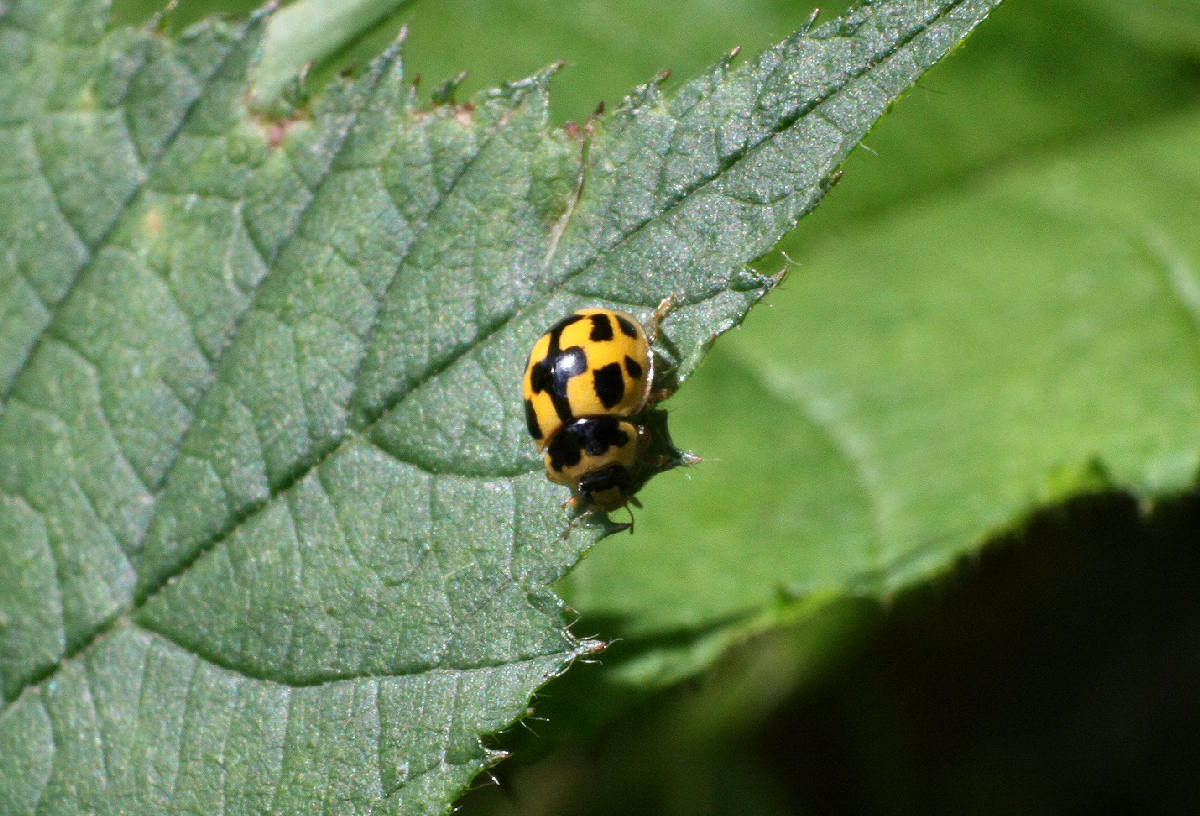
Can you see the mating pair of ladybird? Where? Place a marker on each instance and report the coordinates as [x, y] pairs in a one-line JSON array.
[[588, 381]]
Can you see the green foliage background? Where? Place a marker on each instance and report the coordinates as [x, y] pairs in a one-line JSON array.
[[1017, 243], [987, 340]]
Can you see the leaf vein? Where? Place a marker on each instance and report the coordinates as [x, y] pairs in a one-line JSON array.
[[301, 218], [188, 702], [89, 688], [771, 133], [418, 231], [287, 737], [165, 279], [297, 560], [341, 530], [329, 677], [309, 425], [663, 212], [666, 210], [54, 752], [123, 207], [59, 422], [101, 410]]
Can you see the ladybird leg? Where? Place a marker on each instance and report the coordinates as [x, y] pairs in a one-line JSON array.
[[617, 528], [681, 459], [664, 308], [573, 503], [643, 441], [658, 396], [567, 532]]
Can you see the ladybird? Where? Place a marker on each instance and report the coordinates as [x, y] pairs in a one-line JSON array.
[[587, 380]]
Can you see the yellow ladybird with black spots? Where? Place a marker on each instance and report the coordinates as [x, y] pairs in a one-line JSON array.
[[595, 362], [587, 379]]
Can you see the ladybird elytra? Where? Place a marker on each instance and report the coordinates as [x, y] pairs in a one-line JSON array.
[[595, 362], [588, 379]]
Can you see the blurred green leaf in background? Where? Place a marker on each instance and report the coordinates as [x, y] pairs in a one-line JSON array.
[[996, 309], [273, 537]]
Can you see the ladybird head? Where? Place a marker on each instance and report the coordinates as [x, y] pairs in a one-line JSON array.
[[607, 488]]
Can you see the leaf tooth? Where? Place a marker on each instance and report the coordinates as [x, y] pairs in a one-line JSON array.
[[728, 58], [518, 89], [444, 94], [648, 95], [809, 23]]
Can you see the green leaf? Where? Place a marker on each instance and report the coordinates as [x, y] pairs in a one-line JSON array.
[[1171, 26], [276, 534], [310, 32], [939, 693], [938, 366], [608, 47]]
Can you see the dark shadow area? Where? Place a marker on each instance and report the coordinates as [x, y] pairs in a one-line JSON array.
[[1056, 672]]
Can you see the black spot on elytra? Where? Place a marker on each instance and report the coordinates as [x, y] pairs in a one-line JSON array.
[[567, 364], [535, 430], [541, 376], [601, 328], [594, 435], [633, 368], [627, 328], [556, 330], [609, 384], [552, 373]]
